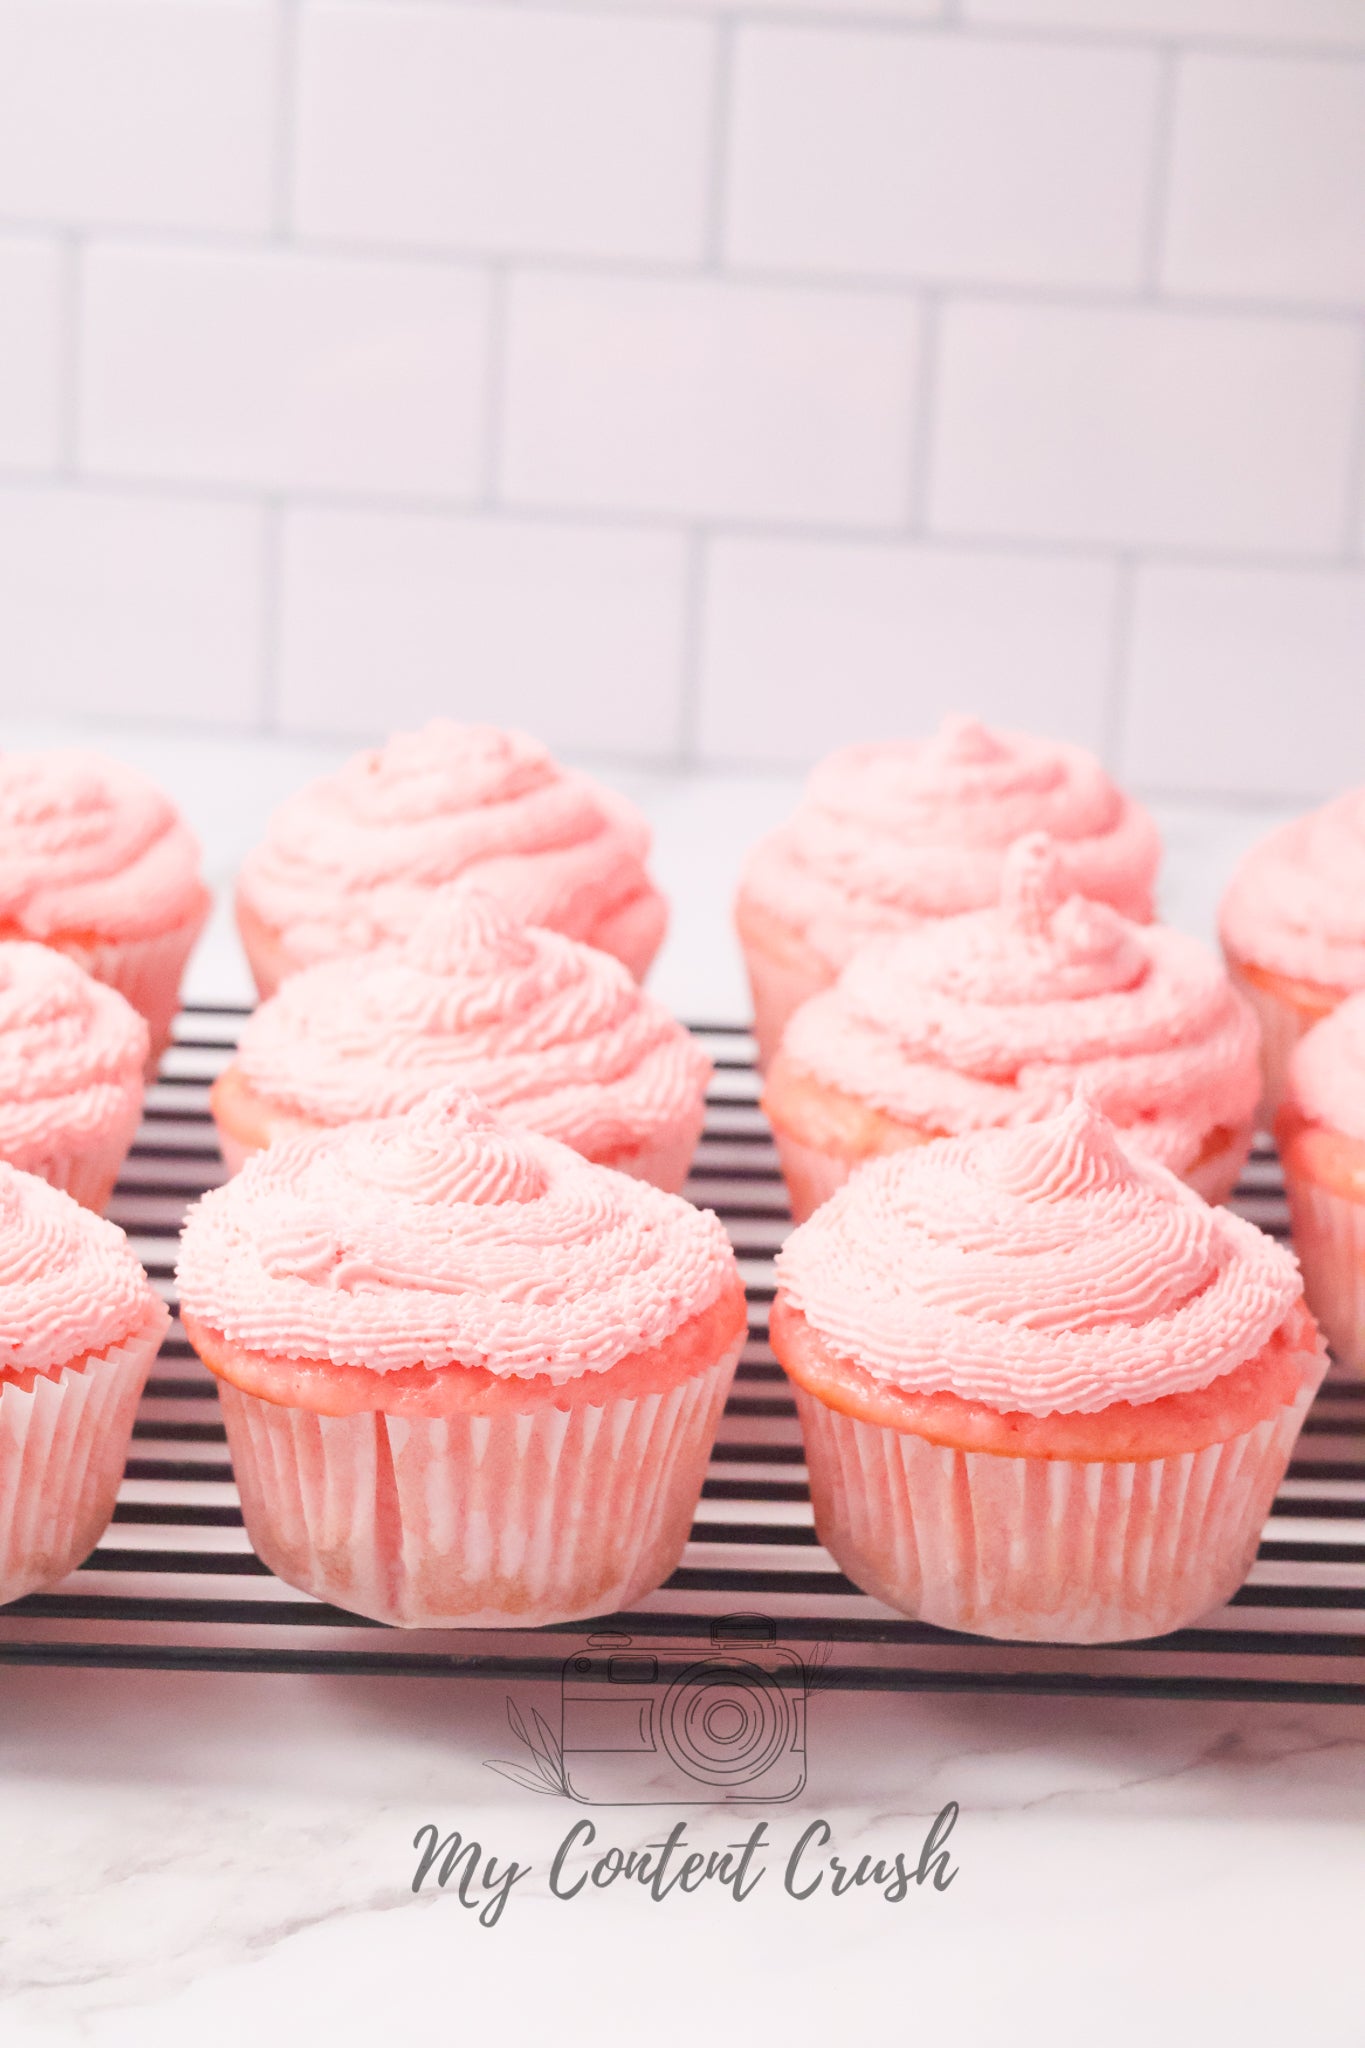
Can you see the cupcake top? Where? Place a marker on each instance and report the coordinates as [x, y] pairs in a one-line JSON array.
[[555, 1034], [1043, 1271], [1327, 1071], [351, 861], [69, 1284], [89, 846], [71, 1052], [446, 1237], [994, 1017], [893, 833], [1296, 905]]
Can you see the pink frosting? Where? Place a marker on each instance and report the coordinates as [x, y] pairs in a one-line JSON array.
[[71, 1055], [553, 1033], [1296, 905], [351, 861], [996, 1016], [89, 846], [69, 1283], [1042, 1270], [894, 833], [1327, 1071], [447, 1237]]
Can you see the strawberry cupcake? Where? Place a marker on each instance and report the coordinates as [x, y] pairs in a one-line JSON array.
[[97, 863], [892, 835], [550, 1032], [468, 1378], [997, 1017], [352, 861], [1047, 1392], [1293, 928], [1321, 1134], [79, 1327], [72, 1054]]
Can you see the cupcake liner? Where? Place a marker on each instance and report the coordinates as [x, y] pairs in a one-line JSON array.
[[1038, 1549], [1215, 1177], [508, 1520], [1329, 1237], [778, 987], [1283, 1023], [147, 972], [63, 1443]]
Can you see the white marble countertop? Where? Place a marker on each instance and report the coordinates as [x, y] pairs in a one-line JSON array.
[[209, 1858]]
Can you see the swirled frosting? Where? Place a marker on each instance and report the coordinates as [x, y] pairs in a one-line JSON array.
[[1327, 1071], [1296, 904], [89, 846], [996, 1017], [1044, 1271], [71, 1054], [446, 1237], [893, 833], [351, 861], [551, 1032], [69, 1283]]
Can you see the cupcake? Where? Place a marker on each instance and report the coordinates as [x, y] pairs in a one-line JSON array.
[[891, 835], [1321, 1135], [1293, 928], [550, 1032], [997, 1016], [468, 1378], [79, 1327], [72, 1054], [352, 861], [1046, 1391], [96, 862]]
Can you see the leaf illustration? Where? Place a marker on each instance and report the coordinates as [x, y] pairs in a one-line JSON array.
[[527, 1779]]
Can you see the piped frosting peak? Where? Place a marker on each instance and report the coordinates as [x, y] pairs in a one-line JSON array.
[[1043, 1271], [445, 1237]]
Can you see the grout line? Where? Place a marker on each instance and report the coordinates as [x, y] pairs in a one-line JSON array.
[[631, 519], [72, 289], [925, 394], [1159, 176], [690, 653], [494, 385], [638, 269], [287, 35], [1116, 679], [1353, 524], [718, 150], [272, 523]]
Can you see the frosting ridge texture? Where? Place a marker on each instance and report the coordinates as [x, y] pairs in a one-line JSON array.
[[1327, 1071], [71, 1054], [1296, 904], [69, 1283]]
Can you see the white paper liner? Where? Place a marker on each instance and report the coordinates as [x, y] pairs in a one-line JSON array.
[[63, 1443], [1038, 1549], [1329, 1237], [502, 1521], [1282, 1024], [1215, 1177], [147, 972]]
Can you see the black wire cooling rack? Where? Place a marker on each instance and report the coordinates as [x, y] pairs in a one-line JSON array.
[[174, 1583]]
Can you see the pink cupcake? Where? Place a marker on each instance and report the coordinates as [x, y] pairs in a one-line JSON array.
[[79, 1327], [997, 1016], [1321, 1135], [1293, 928], [891, 835], [72, 1054], [468, 1378], [96, 862], [1046, 1391], [353, 860], [550, 1032]]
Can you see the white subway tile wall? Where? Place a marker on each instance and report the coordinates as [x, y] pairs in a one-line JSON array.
[[692, 380]]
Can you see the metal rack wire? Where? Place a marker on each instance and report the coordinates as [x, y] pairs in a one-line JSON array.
[[174, 1582]]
